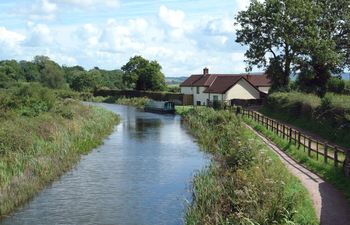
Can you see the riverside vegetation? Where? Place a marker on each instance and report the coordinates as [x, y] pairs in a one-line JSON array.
[[246, 182], [328, 117], [327, 171], [41, 137]]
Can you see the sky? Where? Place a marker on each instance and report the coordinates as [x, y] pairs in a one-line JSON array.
[[184, 36]]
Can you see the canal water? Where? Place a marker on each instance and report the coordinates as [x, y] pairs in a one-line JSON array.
[[140, 175]]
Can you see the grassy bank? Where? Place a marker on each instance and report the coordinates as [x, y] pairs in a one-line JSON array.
[[327, 171], [41, 137], [328, 117], [246, 182]]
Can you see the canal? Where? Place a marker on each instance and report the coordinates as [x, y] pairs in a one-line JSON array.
[[140, 175]]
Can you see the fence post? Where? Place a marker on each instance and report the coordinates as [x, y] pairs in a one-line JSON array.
[[347, 163], [325, 153], [299, 139], [317, 150], [336, 157], [284, 131], [290, 135], [309, 148], [267, 123], [278, 127]]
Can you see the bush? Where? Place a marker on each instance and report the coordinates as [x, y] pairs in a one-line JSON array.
[[328, 116], [242, 186], [336, 85]]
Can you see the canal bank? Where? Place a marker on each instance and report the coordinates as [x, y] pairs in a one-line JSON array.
[[36, 150], [141, 175]]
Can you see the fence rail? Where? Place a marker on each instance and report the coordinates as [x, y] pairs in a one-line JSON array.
[[314, 148]]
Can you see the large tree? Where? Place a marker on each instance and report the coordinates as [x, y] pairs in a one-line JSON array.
[[327, 50], [309, 36], [51, 74], [271, 29], [141, 74]]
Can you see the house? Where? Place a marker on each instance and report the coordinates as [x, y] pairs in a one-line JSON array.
[[225, 87]]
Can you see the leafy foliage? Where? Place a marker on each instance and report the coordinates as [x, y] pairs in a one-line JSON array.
[[141, 74], [302, 35], [328, 116], [233, 190]]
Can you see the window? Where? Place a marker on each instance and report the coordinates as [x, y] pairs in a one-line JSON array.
[[215, 98], [197, 90], [198, 102]]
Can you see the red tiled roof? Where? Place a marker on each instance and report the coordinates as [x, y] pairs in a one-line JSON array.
[[258, 80], [222, 83], [189, 81]]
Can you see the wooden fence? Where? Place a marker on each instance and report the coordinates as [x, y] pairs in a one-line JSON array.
[[314, 148]]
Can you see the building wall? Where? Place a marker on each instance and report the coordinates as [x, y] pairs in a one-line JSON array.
[[202, 97], [220, 97], [242, 90], [187, 90], [264, 89]]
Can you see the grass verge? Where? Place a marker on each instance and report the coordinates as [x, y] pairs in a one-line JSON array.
[[246, 182], [36, 150], [327, 171]]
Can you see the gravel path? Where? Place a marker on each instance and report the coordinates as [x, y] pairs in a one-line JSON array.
[[330, 204]]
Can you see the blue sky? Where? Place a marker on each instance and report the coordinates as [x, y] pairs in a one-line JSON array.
[[182, 35]]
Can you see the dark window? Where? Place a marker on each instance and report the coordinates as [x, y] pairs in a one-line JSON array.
[[216, 98], [198, 102], [197, 90]]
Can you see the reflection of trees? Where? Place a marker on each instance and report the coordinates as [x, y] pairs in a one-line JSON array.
[[143, 126]]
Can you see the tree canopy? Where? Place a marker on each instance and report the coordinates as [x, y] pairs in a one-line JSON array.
[[309, 37], [47, 72], [142, 74]]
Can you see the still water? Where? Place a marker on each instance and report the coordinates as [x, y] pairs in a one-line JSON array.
[[140, 175]]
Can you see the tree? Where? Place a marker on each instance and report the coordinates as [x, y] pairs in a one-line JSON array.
[[83, 82], [272, 31], [326, 50], [51, 74], [142, 74], [30, 71]]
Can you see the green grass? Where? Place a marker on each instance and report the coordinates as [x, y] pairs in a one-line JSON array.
[[40, 141], [246, 182], [347, 84], [183, 110], [328, 117], [137, 102], [327, 171]]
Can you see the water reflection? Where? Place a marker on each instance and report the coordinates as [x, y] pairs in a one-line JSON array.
[[139, 176], [143, 126]]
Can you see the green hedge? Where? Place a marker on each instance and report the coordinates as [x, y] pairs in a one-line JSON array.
[[328, 116]]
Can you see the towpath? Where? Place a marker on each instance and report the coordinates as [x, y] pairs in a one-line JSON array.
[[330, 204]]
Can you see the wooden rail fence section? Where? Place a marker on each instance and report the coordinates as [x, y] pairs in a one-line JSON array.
[[314, 148]]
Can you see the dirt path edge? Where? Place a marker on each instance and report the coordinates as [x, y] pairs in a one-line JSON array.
[[330, 204]]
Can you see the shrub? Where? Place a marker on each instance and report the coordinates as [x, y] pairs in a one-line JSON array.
[[242, 186], [336, 85], [328, 116]]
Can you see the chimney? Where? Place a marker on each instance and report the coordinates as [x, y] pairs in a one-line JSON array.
[[205, 71], [248, 77]]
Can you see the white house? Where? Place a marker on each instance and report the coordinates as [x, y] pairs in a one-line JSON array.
[[225, 87]]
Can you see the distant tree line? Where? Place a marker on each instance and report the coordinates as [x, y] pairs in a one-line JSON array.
[[309, 38], [138, 73]]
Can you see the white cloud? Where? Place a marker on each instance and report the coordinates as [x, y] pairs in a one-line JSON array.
[[10, 42], [242, 4], [43, 9], [182, 44], [174, 18], [39, 35]]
